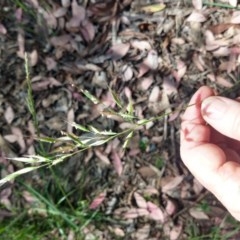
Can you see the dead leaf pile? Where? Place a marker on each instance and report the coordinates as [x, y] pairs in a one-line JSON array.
[[153, 57]]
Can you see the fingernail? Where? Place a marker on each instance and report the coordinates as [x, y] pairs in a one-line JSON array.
[[214, 107]]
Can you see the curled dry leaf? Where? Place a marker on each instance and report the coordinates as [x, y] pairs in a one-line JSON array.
[[87, 30], [21, 44], [224, 82], [102, 157], [151, 61], [3, 30], [171, 183], [181, 70], [127, 73], [117, 163], [233, 2], [141, 45], [11, 138], [197, 186], [222, 52], [175, 232], [135, 213], [118, 232], [141, 202], [153, 8], [198, 214], [150, 191], [197, 4], [70, 119], [30, 198], [49, 18], [9, 115], [209, 37], [33, 58], [60, 12], [199, 62], [154, 95], [34, 3], [142, 233], [220, 28], [18, 14], [147, 172], [66, 3], [118, 51], [155, 212], [145, 83], [171, 207], [50, 63], [20, 139], [45, 83], [97, 201], [196, 16], [4, 197], [78, 16], [60, 41], [235, 19]]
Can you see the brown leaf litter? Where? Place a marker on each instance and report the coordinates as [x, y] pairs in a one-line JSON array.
[[153, 55]]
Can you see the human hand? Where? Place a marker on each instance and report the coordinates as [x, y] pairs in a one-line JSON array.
[[210, 145]]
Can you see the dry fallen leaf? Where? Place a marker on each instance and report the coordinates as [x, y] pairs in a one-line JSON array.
[[3, 30], [70, 119], [117, 163], [151, 61], [224, 82], [235, 19], [87, 30], [220, 28], [171, 183], [50, 63], [127, 73], [141, 202], [153, 8], [60, 12], [60, 41], [78, 15], [66, 3], [175, 232], [180, 71], [141, 45], [102, 157], [20, 139], [9, 115], [118, 51], [154, 95], [196, 17], [97, 201], [33, 58], [197, 4], [135, 212], [198, 214], [145, 83], [233, 2], [142, 233], [155, 212], [171, 207]]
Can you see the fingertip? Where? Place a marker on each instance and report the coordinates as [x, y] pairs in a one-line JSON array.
[[193, 111]]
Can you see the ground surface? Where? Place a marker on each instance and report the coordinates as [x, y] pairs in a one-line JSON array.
[[152, 59]]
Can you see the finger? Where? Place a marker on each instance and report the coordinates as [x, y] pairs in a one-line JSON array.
[[193, 112], [193, 128], [218, 171], [222, 114]]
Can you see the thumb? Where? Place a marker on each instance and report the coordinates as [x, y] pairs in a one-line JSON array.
[[222, 114]]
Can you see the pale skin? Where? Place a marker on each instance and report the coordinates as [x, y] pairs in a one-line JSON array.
[[210, 145]]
